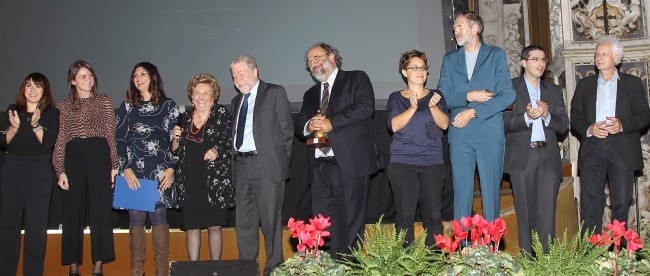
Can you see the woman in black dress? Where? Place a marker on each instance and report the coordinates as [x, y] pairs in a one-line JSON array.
[[203, 143], [27, 175]]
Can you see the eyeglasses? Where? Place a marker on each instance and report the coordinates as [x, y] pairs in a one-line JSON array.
[[315, 59], [418, 68], [536, 59]]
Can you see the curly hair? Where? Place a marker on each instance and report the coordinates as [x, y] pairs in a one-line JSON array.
[[338, 60], [207, 79]]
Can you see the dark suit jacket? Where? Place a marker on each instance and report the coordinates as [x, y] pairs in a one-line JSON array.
[[272, 129], [490, 72], [518, 133], [350, 110], [631, 109]]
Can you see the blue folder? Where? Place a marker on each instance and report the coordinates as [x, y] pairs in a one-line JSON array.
[[143, 199]]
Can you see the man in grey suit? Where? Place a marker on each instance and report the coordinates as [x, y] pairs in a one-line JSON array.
[[532, 156], [263, 139]]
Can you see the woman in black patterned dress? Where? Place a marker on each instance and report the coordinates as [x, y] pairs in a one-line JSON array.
[[203, 143]]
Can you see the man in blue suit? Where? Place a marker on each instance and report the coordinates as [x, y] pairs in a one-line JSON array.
[[476, 84]]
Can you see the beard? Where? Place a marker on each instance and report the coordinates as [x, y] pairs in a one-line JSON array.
[[324, 71]]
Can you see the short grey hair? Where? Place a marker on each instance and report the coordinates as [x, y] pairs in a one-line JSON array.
[[246, 59], [617, 48]]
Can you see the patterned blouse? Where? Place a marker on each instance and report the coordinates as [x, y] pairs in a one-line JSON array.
[[218, 134], [88, 117], [143, 141]]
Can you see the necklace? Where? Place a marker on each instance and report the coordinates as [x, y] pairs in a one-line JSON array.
[[197, 129], [202, 120]]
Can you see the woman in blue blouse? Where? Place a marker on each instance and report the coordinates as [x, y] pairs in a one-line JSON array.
[[144, 124], [417, 116]]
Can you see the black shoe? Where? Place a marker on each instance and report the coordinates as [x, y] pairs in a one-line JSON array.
[[98, 274], [74, 274]]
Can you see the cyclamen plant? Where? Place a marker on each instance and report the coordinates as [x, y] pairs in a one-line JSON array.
[[310, 236], [479, 231], [481, 255], [614, 234], [309, 260]]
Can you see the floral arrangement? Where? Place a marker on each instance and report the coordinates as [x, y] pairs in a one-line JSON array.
[[309, 260], [480, 254], [619, 261]]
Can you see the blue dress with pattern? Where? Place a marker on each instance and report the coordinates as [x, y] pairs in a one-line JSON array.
[[143, 141]]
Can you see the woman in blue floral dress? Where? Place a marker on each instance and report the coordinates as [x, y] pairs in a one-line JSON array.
[[144, 124]]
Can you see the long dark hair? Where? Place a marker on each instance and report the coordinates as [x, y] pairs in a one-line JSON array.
[[133, 96], [72, 73], [46, 99]]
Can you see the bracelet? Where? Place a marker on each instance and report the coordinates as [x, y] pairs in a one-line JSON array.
[[37, 128], [8, 132]]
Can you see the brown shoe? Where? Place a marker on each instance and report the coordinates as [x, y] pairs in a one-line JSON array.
[[160, 238], [137, 247]]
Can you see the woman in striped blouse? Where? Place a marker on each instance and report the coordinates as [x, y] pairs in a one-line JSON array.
[[85, 160]]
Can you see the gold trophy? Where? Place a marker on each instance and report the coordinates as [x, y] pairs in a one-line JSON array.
[[319, 140]]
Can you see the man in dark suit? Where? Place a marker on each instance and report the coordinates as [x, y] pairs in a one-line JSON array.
[[263, 139], [608, 112], [532, 155], [476, 84], [339, 175]]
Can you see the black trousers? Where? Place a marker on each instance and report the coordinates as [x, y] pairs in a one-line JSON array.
[[605, 164], [26, 188], [412, 184], [342, 198], [535, 192], [88, 167]]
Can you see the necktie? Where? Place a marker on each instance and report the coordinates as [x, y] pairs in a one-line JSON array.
[[241, 121], [325, 100]]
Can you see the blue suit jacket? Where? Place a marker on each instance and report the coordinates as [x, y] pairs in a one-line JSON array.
[[491, 72]]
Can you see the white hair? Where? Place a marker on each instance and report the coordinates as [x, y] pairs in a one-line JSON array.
[[617, 48]]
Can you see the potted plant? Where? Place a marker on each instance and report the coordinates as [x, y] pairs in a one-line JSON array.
[[309, 260], [480, 254]]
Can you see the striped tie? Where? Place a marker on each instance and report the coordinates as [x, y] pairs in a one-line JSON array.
[[323, 109]]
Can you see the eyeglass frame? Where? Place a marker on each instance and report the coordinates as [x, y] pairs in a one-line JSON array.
[[418, 68], [315, 59], [537, 59]]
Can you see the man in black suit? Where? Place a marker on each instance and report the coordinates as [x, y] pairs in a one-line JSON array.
[[532, 156], [263, 139], [608, 112], [339, 175]]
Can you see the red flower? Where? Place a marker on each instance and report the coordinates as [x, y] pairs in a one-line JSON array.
[[295, 226], [617, 228], [479, 222], [634, 242], [446, 243], [466, 222], [459, 234], [497, 229], [600, 239], [595, 239], [310, 236]]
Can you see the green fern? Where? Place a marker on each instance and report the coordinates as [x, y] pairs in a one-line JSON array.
[[383, 253], [563, 257]]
